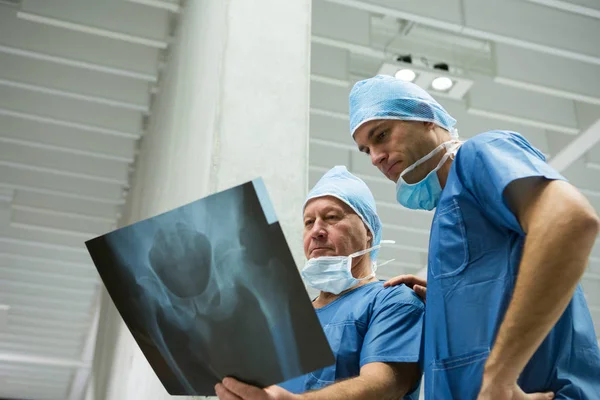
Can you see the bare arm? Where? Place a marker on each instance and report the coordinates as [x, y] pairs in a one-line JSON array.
[[377, 381], [561, 227]]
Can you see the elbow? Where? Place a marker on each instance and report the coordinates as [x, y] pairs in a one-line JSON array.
[[589, 224]]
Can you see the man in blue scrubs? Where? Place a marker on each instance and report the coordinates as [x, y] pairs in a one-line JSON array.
[[510, 239], [375, 333]]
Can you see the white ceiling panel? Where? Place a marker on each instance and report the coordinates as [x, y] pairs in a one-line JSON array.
[[50, 134], [59, 221], [83, 272], [558, 114], [330, 129], [582, 177], [470, 125], [589, 8], [328, 97], [121, 121], [74, 46], [61, 161], [68, 241], [548, 73], [113, 15], [41, 324], [66, 204], [442, 12], [13, 247], [13, 275], [328, 157], [337, 61], [535, 24], [16, 176], [51, 75], [338, 22]]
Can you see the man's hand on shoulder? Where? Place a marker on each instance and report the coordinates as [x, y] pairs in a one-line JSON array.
[[419, 285]]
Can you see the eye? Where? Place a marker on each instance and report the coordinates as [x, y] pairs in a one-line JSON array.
[[331, 217], [308, 222], [382, 135]]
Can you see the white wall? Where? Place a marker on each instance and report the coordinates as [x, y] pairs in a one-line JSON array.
[[233, 106]]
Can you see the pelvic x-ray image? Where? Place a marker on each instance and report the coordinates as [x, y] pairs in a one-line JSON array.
[[210, 290]]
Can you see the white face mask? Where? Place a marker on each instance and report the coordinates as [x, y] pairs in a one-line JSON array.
[[333, 274], [426, 193]]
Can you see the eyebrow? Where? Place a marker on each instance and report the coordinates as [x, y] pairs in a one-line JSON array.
[[327, 209]]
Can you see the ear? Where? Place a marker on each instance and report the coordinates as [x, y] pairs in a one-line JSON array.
[[430, 126], [369, 236]]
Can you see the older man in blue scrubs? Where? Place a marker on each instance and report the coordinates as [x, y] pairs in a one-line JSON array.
[[374, 333], [510, 239]]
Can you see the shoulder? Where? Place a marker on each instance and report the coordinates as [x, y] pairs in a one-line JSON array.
[[398, 296], [496, 140]]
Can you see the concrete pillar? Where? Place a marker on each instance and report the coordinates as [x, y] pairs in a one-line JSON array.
[[233, 106]]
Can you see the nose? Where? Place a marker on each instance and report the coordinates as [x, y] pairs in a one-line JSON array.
[[377, 157], [318, 231]]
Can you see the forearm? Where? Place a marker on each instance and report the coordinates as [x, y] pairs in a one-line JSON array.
[[355, 389], [555, 255]]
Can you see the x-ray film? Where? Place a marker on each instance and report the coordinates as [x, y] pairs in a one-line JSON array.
[[211, 290]]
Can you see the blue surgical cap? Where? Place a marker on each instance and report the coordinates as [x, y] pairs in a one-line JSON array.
[[341, 184], [386, 97]]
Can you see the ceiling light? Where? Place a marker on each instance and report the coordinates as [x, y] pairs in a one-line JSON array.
[[407, 75], [442, 83]]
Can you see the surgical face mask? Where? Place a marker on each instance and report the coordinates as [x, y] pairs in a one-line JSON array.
[[425, 194], [333, 274]]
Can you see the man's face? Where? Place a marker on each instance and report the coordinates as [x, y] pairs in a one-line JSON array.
[[331, 228], [395, 145]]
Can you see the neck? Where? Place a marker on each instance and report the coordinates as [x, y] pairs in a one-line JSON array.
[[443, 172], [361, 269]]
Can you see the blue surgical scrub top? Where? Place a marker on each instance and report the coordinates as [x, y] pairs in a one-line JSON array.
[[475, 248], [368, 324]]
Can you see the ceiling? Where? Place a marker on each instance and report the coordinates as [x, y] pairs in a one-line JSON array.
[[534, 67], [76, 82]]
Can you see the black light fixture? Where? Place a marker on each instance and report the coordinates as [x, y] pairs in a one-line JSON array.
[[442, 83], [405, 58], [442, 66]]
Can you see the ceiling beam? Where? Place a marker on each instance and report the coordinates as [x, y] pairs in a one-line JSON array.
[[59, 162], [577, 148], [570, 7], [27, 16], [46, 361], [16, 177], [79, 64], [37, 132], [68, 124], [165, 5], [56, 44], [105, 118], [75, 96]]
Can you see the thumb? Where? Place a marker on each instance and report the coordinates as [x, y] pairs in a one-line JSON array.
[[540, 396], [421, 291]]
